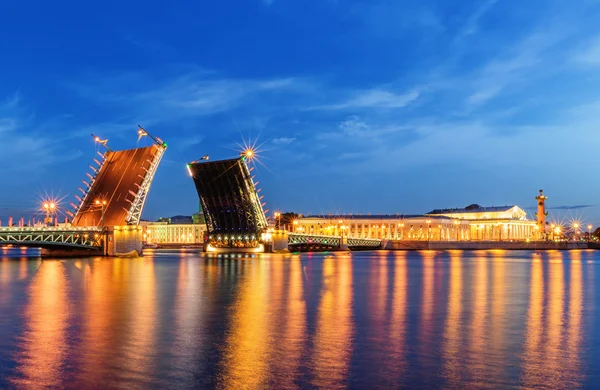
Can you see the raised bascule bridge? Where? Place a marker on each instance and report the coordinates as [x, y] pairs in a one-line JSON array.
[[108, 207], [235, 218]]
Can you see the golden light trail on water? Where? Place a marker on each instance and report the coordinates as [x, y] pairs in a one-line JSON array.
[[477, 345], [452, 327], [44, 344], [245, 362], [333, 344], [397, 330]]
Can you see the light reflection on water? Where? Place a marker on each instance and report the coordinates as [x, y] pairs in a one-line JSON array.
[[378, 319]]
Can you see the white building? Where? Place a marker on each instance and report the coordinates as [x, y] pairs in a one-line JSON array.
[[165, 233], [471, 223]]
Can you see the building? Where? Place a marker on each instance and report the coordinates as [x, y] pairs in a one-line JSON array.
[[178, 220], [470, 223], [166, 233]]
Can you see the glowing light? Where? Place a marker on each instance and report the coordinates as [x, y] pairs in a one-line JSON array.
[[189, 169]]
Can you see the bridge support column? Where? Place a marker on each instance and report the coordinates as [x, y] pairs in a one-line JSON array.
[[384, 244], [124, 240], [280, 241], [344, 244]]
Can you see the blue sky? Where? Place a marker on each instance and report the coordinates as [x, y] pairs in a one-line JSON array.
[[374, 106]]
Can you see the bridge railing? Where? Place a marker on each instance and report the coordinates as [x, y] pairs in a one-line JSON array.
[[50, 228], [87, 237]]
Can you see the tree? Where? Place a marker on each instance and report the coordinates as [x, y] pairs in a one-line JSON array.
[[287, 219], [596, 234]]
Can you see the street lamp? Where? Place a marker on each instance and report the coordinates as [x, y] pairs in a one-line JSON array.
[[277, 217], [428, 222], [295, 223], [576, 228], [50, 208], [589, 232], [102, 204], [401, 230]]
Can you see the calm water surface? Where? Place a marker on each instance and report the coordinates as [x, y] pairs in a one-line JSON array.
[[361, 320]]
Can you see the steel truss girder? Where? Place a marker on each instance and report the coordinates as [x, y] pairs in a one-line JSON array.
[[364, 242], [84, 238], [134, 213], [295, 238]]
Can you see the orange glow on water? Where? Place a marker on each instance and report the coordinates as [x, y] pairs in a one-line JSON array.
[[477, 330], [452, 335], [333, 336], [246, 356], [44, 342]]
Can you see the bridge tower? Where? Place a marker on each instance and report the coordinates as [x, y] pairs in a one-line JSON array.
[[541, 213]]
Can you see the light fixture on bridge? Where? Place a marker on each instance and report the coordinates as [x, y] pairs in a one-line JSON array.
[[103, 142]]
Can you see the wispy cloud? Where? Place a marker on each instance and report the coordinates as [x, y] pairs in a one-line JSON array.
[[25, 147], [576, 207], [374, 98], [590, 54], [472, 24], [518, 66], [283, 140], [194, 94]]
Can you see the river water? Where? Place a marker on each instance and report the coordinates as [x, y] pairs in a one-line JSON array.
[[361, 320]]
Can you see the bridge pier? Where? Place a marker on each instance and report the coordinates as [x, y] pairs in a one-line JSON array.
[[344, 244], [123, 240], [280, 241]]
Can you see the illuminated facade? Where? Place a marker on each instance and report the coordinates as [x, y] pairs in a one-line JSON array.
[[471, 223], [165, 233]]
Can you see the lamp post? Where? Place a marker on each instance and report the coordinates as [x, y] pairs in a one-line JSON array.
[[428, 222], [589, 233], [401, 230], [50, 208], [576, 230], [295, 223], [277, 218]]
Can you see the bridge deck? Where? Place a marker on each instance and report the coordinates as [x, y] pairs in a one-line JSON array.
[[119, 178], [79, 237]]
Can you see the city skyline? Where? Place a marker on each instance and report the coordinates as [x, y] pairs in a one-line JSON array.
[[369, 107]]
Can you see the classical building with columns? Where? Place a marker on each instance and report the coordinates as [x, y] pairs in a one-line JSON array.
[[470, 223], [166, 233]]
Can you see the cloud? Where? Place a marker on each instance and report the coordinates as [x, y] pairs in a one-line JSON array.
[[590, 55], [472, 24], [519, 66], [25, 147], [374, 98], [283, 140], [195, 94], [576, 207]]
